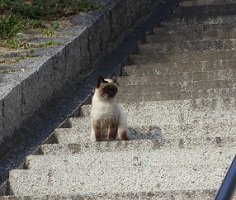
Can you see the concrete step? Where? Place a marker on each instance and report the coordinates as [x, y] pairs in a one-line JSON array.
[[155, 57], [204, 104], [177, 95], [201, 29], [127, 159], [186, 36], [152, 69], [164, 120], [183, 129], [205, 10], [152, 87], [140, 145], [186, 3], [190, 175], [176, 77], [192, 21], [188, 46], [160, 195]]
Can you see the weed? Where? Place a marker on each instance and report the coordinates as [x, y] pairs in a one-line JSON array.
[[47, 33], [50, 43], [19, 15]]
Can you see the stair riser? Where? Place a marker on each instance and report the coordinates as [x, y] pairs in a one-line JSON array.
[[187, 3], [188, 46], [129, 159], [179, 95], [176, 37], [160, 195], [148, 88], [200, 29], [195, 105], [183, 22], [158, 68], [207, 11], [182, 57], [177, 77], [137, 145]]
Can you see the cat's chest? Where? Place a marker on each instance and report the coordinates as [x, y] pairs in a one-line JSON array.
[[105, 110]]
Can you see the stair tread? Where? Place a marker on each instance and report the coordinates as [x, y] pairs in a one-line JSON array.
[[155, 57], [127, 159], [205, 2], [189, 67], [188, 46], [141, 145], [120, 179]]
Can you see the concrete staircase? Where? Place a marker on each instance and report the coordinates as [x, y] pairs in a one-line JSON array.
[[178, 94]]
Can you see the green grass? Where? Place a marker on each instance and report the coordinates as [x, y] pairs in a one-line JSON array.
[[19, 15]]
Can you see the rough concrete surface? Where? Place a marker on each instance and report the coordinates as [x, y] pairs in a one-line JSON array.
[[180, 146]]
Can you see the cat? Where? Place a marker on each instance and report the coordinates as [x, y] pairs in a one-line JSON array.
[[107, 117]]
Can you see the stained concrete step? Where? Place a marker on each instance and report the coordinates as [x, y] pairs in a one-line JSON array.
[[186, 36], [183, 22], [160, 195], [200, 28], [152, 87], [176, 77], [205, 10], [202, 104], [153, 69], [177, 95], [185, 3], [127, 159], [188, 46], [157, 130], [155, 57], [164, 120], [139, 177], [140, 145]]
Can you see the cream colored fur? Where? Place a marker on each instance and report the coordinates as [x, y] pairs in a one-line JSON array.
[[106, 110]]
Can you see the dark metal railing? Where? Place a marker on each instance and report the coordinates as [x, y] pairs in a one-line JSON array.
[[228, 186]]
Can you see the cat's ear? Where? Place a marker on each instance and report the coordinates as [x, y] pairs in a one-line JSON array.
[[100, 81], [114, 78]]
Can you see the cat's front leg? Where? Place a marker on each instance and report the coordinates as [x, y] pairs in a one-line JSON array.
[[112, 131], [96, 131], [123, 134]]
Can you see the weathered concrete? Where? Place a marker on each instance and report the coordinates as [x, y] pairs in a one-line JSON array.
[[140, 145], [133, 157], [152, 69], [193, 28], [188, 46], [176, 77], [179, 149], [155, 57], [163, 195], [205, 2], [118, 180], [206, 35]]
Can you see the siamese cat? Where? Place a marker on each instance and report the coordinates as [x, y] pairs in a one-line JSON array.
[[108, 120]]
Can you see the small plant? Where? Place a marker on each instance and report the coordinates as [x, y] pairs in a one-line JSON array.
[[47, 33], [19, 15], [50, 43], [55, 25]]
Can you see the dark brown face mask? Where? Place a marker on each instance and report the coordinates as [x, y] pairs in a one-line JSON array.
[[106, 89]]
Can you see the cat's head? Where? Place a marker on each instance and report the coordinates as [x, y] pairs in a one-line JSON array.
[[106, 88]]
